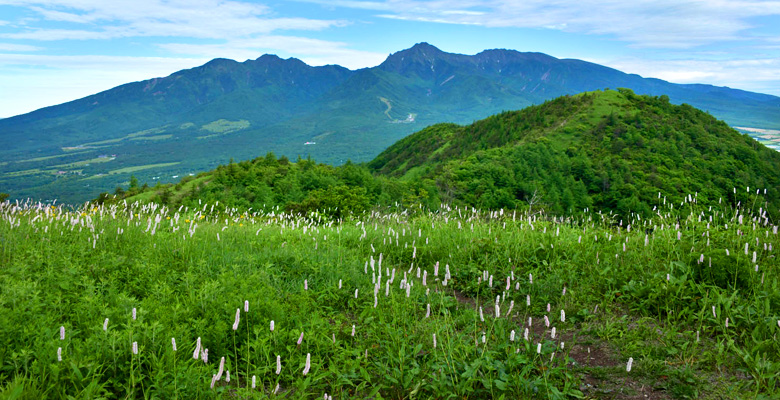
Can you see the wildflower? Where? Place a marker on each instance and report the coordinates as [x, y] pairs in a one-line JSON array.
[[305, 284], [135, 347], [353, 330], [497, 307], [272, 325], [511, 306], [628, 365], [254, 381], [308, 364], [564, 291], [528, 300], [548, 307], [525, 334], [173, 343], [713, 312], [561, 345], [196, 353], [205, 356], [221, 368], [531, 279], [512, 336], [276, 390], [62, 333], [483, 338], [300, 339], [428, 311], [434, 340], [339, 283], [278, 365], [356, 293], [59, 354], [213, 377], [727, 322], [563, 316], [238, 316], [481, 317], [552, 333], [246, 306], [105, 325], [227, 377], [538, 348], [134, 314], [546, 321], [529, 321]]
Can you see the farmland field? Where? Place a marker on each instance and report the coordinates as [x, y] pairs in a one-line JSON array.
[[396, 303]]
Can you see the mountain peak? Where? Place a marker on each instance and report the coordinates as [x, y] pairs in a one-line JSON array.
[[418, 52], [423, 47], [418, 59]]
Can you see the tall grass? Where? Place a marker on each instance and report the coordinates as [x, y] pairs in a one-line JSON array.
[[645, 289]]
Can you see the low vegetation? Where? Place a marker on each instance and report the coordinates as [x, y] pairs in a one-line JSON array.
[[388, 303]]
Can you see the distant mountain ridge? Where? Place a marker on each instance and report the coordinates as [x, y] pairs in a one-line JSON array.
[[195, 119]]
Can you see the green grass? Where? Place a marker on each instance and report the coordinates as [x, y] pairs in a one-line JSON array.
[[128, 170], [51, 157], [82, 163], [32, 171], [153, 138], [225, 126], [186, 272]]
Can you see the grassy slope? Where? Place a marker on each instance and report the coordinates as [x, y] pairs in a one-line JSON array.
[[628, 294]]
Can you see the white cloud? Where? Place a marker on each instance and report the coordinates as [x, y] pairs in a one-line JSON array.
[[311, 51], [760, 75], [17, 47], [644, 23], [213, 19]]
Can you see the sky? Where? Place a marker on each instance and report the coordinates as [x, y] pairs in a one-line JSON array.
[[54, 51]]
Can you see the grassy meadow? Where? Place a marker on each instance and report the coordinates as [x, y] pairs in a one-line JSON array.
[[389, 304]]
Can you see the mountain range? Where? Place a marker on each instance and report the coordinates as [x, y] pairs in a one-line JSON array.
[[193, 120]]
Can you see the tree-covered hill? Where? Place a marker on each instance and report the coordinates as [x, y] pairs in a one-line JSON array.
[[610, 150]]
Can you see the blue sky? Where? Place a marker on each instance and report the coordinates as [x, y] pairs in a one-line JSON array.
[[53, 51]]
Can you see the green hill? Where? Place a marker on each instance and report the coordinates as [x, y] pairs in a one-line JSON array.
[[610, 150]]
